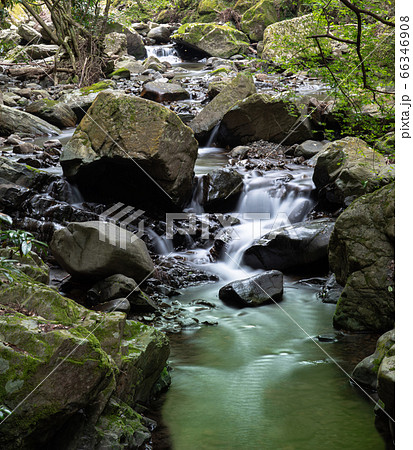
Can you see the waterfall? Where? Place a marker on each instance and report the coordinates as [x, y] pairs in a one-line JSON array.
[[164, 53]]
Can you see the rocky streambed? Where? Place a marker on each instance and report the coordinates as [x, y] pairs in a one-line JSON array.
[[264, 201]]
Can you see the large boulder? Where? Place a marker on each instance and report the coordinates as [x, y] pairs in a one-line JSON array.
[[286, 41], [13, 121], [100, 249], [361, 254], [292, 247], [261, 116], [255, 291], [56, 113], [134, 42], [212, 39], [262, 14], [61, 365], [239, 88], [128, 145], [349, 168]]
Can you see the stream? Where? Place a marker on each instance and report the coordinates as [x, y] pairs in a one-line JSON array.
[[258, 380]]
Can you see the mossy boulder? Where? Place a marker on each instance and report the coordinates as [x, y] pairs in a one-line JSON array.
[[30, 264], [115, 44], [212, 6], [239, 88], [54, 112], [122, 72], [347, 169], [286, 42], [145, 147], [222, 41], [361, 254], [261, 116], [262, 14]]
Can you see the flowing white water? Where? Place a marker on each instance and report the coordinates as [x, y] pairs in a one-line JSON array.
[[165, 53]]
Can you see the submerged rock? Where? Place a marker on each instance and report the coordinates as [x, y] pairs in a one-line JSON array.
[[261, 116], [222, 41], [349, 168], [255, 291], [132, 150], [292, 247], [100, 249], [361, 254]]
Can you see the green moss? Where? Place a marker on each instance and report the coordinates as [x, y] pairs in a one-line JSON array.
[[97, 87], [122, 72]]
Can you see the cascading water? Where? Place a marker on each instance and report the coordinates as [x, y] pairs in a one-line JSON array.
[[165, 53]]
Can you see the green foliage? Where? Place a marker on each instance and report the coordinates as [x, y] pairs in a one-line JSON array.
[[4, 412]]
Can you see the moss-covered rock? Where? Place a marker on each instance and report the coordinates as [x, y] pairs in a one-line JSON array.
[[145, 145], [122, 72], [286, 42], [212, 6], [222, 41], [348, 168], [239, 88], [261, 116], [361, 254], [54, 112], [262, 14]]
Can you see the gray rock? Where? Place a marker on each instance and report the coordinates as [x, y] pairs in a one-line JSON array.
[[160, 34], [164, 92], [56, 113], [255, 291], [308, 149], [222, 185], [241, 87], [117, 304], [29, 34], [13, 121], [41, 51], [239, 152], [292, 247], [116, 44], [100, 249], [261, 116], [361, 254]]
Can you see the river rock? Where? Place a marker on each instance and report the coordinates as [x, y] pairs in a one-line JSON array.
[[261, 116], [117, 304], [161, 34], [309, 148], [56, 113], [145, 145], [212, 39], [361, 254], [255, 291], [164, 92], [366, 371], [115, 44], [262, 14], [241, 87], [14, 121], [220, 186], [134, 43], [347, 169], [118, 286], [100, 249], [292, 247], [386, 381]]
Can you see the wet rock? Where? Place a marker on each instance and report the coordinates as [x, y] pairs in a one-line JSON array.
[[239, 152], [222, 185], [13, 120], [56, 113], [261, 116], [160, 35], [153, 63], [215, 40], [347, 169], [99, 249], [25, 148], [118, 304], [386, 381], [331, 290], [255, 291], [164, 92], [148, 147], [292, 247], [119, 286], [241, 87], [361, 255]]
